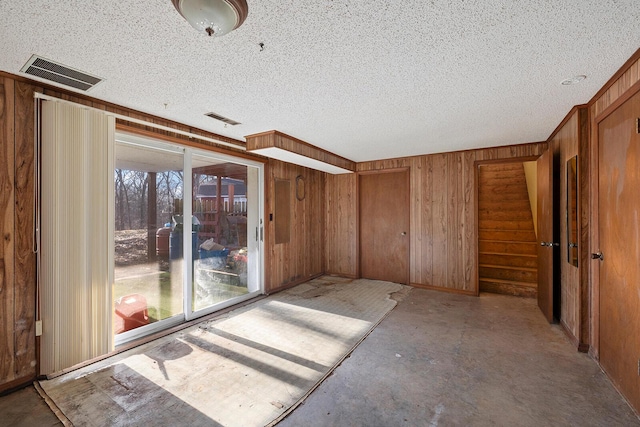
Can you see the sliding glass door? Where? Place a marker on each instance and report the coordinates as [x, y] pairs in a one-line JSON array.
[[149, 188], [225, 206], [187, 234]]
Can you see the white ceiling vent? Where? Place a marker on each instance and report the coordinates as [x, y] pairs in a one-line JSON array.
[[222, 119], [58, 73]]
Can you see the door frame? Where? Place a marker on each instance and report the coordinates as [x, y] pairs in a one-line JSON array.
[[158, 142], [406, 169], [552, 310], [594, 217], [476, 167]]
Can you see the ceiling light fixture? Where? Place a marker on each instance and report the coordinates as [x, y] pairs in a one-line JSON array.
[[573, 80], [213, 17]]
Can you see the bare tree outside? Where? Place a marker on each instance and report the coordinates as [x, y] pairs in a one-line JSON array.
[[131, 198]]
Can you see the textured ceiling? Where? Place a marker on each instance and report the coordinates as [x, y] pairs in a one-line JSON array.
[[363, 79]]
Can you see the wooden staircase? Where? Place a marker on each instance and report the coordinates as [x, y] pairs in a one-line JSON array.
[[507, 243]]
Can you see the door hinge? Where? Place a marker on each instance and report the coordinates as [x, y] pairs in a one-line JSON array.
[[38, 328], [638, 125]]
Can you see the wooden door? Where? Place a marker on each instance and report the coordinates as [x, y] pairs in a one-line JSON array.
[[384, 226], [619, 231], [546, 248]]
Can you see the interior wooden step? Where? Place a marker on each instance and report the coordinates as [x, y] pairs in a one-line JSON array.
[[509, 204], [507, 225], [517, 274], [519, 215], [508, 259], [509, 287], [500, 199], [520, 248], [508, 176], [512, 235]]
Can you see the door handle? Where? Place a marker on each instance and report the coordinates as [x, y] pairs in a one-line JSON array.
[[404, 233], [598, 255]]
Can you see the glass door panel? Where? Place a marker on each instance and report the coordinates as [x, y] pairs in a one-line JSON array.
[[148, 287], [187, 234], [219, 205], [225, 201]]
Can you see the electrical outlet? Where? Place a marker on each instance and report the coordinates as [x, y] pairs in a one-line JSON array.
[[39, 330]]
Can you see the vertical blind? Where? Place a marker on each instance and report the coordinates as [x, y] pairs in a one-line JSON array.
[[76, 249]]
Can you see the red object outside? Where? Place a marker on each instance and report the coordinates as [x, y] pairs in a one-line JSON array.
[[131, 313]]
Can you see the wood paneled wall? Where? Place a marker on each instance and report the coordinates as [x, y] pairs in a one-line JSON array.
[[324, 235], [7, 200], [444, 243], [570, 140], [18, 351], [25, 259], [302, 257], [341, 225], [18, 344]]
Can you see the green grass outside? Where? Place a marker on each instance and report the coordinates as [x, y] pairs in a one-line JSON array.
[[164, 295], [163, 299]]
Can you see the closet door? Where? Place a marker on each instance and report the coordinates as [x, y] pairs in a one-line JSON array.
[[384, 226], [619, 255], [548, 246]]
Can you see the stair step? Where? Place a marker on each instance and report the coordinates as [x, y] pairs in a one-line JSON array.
[[507, 225], [513, 215], [514, 235], [508, 267], [509, 254], [516, 248], [492, 198], [510, 184], [499, 229], [507, 241], [506, 259], [493, 202], [516, 274], [509, 287]]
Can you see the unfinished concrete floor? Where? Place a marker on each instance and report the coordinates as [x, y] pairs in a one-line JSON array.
[[449, 360], [26, 408], [444, 360]]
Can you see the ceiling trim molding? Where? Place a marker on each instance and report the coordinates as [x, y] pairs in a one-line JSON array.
[[196, 142], [278, 145], [625, 67], [97, 103], [147, 123], [566, 119], [624, 97]]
